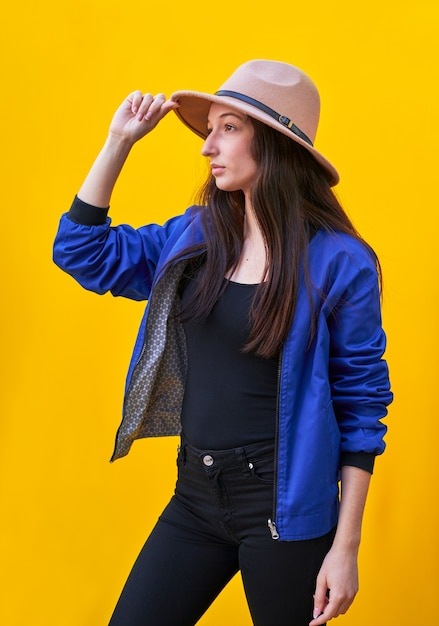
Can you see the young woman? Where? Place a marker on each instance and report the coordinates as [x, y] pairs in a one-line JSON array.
[[261, 346]]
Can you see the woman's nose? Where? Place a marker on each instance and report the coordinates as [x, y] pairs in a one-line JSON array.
[[209, 147]]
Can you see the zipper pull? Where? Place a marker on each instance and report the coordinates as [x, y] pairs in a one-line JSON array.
[[273, 529]]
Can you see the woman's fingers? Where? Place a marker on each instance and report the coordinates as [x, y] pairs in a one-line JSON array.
[[146, 106], [135, 99], [155, 106], [139, 114]]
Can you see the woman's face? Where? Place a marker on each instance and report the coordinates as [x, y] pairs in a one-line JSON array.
[[228, 147]]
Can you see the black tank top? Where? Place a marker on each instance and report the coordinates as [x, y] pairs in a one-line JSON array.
[[230, 397]]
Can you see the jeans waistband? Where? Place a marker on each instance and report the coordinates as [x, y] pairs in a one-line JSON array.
[[229, 458]]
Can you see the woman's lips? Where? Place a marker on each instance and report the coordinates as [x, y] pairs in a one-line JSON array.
[[216, 169]]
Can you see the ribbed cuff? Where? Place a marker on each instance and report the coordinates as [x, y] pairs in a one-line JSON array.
[[87, 214], [363, 460]]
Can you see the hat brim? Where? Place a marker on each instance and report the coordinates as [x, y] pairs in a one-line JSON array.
[[194, 110]]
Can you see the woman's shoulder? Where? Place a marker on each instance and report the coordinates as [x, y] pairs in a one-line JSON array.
[[179, 223], [190, 216], [342, 260], [336, 244]]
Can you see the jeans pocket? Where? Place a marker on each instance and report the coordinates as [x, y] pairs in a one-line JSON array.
[[262, 469]]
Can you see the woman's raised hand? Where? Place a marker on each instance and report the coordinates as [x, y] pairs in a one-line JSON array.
[[139, 114], [135, 118]]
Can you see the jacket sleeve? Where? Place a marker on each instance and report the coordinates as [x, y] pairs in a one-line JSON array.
[[102, 258], [359, 376]]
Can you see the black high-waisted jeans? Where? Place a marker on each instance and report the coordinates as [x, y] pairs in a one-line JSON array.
[[214, 526]]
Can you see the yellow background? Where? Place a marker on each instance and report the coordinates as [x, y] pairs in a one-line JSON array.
[[71, 523]]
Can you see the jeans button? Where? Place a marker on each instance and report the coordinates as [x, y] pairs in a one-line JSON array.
[[208, 460]]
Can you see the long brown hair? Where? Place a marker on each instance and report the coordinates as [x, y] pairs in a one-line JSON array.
[[291, 199]]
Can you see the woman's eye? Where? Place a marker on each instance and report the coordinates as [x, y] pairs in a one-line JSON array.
[[229, 127], [209, 130]]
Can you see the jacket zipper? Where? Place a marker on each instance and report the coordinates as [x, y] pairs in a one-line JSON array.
[[272, 521]]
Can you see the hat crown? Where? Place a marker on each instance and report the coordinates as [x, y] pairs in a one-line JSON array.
[[282, 87]]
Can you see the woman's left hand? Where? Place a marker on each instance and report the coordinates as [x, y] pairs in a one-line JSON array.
[[337, 585]]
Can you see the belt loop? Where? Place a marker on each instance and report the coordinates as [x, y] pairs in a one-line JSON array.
[[181, 453]]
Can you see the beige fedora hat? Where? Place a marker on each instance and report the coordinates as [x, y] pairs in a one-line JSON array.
[[278, 94]]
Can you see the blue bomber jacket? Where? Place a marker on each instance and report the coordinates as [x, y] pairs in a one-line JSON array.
[[333, 392]]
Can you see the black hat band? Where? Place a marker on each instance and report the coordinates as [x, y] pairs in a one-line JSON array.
[[282, 119]]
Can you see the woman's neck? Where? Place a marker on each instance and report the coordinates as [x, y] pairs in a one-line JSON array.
[[251, 267], [251, 226]]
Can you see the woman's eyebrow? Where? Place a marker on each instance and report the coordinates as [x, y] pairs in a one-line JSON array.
[[237, 115]]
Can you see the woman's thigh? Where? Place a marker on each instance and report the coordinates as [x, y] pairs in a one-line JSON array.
[[279, 579], [178, 573]]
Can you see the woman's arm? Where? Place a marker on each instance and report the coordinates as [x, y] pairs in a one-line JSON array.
[[337, 582], [134, 119], [101, 258]]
